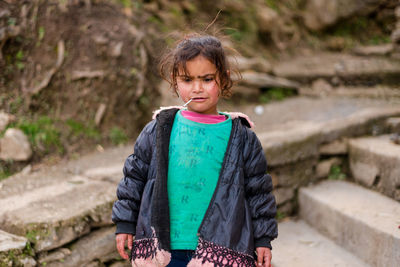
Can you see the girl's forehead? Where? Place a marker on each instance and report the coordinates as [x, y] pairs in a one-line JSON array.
[[198, 66]]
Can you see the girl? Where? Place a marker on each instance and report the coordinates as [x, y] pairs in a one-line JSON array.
[[196, 191]]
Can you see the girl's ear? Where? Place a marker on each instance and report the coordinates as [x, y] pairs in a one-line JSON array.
[[228, 72]]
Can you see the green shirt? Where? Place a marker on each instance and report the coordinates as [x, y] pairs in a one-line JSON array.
[[196, 153]]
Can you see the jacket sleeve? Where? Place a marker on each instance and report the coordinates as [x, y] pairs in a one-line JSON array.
[[258, 188], [129, 192]]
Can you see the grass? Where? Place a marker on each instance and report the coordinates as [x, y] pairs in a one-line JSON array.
[[275, 94], [46, 134], [4, 173], [117, 136], [272, 4], [126, 3], [79, 129], [336, 173], [42, 133], [363, 30], [19, 57], [280, 215]]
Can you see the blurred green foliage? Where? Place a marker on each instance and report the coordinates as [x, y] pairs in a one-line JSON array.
[[42, 133], [79, 129], [275, 94], [117, 136], [336, 173]]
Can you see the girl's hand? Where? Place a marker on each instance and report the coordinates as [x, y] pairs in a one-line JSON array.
[[121, 239], [264, 257]]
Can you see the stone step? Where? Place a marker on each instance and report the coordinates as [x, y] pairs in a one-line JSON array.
[[342, 68], [55, 215], [58, 204], [390, 94], [362, 221], [375, 163], [293, 129], [302, 246]]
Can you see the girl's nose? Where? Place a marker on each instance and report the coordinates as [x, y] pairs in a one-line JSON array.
[[197, 86]]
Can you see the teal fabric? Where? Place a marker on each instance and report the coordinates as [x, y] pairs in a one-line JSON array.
[[196, 153]]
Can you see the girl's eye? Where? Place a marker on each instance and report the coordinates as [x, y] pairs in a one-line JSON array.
[[208, 79]]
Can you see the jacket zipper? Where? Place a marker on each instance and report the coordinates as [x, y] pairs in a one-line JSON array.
[[233, 131]]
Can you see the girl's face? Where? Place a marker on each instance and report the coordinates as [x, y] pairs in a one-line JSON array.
[[200, 84]]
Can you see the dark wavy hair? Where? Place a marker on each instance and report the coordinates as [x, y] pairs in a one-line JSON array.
[[191, 46]]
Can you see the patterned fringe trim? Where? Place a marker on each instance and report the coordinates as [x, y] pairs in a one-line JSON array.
[[146, 252], [208, 254]]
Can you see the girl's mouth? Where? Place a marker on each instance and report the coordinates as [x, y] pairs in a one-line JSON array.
[[198, 99]]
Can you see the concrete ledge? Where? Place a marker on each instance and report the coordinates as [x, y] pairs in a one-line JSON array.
[[301, 246], [375, 162], [362, 221]]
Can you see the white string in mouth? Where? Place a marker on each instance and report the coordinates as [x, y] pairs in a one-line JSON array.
[[188, 102]]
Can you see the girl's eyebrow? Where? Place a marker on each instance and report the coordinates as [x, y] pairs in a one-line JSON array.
[[202, 76]]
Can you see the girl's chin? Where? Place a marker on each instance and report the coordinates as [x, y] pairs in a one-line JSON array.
[[203, 111]]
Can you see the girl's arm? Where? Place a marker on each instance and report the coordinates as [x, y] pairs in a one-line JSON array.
[[258, 187], [126, 209]]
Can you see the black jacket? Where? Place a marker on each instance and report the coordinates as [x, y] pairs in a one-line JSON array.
[[241, 214]]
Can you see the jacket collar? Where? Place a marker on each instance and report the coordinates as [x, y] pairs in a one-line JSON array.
[[168, 111]]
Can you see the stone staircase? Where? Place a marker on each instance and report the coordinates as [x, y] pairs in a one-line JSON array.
[[359, 220], [354, 222], [64, 211], [61, 215]]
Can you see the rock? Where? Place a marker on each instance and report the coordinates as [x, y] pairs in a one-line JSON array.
[[121, 264], [349, 68], [397, 12], [255, 64], [58, 254], [100, 39], [393, 124], [86, 74], [337, 147], [94, 264], [11, 242], [28, 262], [111, 173], [379, 92], [266, 19], [5, 119], [263, 80], [26, 170], [89, 248], [11, 251], [375, 162], [100, 113], [335, 43], [321, 86], [396, 36], [283, 195], [287, 208], [320, 14], [293, 175], [324, 167], [374, 50], [15, 146], [116, 49], [246, 92]]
